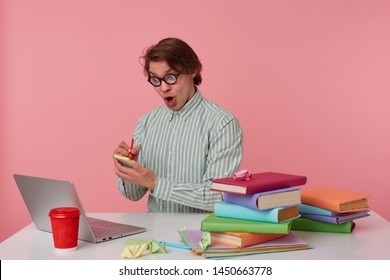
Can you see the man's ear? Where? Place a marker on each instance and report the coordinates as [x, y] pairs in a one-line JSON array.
[[193, 74]]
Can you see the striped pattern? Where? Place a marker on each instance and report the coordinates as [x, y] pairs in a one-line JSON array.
[[186, 149]]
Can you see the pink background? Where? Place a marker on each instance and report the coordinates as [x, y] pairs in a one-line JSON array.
[[308, 80]]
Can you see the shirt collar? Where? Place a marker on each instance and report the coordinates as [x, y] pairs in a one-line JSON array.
[[188, 108]]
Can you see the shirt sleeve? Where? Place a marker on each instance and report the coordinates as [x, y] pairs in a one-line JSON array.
[[130, 191]]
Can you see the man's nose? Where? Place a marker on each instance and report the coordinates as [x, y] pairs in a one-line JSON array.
[[165, 87]]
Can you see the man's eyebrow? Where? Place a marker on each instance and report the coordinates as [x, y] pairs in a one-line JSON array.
[[166, 72]]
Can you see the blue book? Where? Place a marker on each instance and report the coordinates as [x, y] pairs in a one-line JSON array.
[[309, 209], [275, 215]]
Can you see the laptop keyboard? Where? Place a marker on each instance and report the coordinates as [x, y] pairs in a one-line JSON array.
[[104, 232]]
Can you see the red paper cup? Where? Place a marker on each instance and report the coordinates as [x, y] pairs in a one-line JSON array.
[[65, 227]]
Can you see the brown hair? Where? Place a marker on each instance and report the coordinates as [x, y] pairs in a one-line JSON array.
[[178, 54]]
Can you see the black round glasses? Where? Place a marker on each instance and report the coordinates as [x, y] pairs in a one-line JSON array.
[[170, 79]]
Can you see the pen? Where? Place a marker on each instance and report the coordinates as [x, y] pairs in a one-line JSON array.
[[174, 245], [131, 147]]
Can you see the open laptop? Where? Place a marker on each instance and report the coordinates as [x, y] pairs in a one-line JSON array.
[[42, 194]]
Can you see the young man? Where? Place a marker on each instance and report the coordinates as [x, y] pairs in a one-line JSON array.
[[181, 146]]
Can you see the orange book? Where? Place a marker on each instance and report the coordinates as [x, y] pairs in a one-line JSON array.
[[335, 199], [242, 239]]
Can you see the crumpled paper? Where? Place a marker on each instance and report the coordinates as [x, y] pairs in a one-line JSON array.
[[205, 240], [135, 247], [242, 175]]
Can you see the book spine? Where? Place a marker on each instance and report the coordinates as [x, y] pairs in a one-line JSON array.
[[229, 210], [249, 200]]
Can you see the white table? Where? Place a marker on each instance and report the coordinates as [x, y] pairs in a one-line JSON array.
[[369, 241]]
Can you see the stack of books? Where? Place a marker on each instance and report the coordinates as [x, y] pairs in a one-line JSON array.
[[255, 213], [330, 209]]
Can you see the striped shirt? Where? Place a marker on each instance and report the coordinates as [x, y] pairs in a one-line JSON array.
[[186, 149]]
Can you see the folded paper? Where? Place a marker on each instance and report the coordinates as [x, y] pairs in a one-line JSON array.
[[135, 247], [205, 240], [242, 175]]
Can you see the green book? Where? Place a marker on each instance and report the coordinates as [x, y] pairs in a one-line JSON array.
[[213, 223], [305, 224]]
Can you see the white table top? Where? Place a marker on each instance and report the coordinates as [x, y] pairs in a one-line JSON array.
[[370, 240]]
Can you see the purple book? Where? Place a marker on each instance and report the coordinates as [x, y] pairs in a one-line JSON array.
[[337, 219], [266, 200]]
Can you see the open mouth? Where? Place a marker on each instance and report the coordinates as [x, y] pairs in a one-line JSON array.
[[170, 101]]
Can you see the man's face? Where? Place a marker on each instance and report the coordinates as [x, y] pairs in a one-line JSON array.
[[177, 95]]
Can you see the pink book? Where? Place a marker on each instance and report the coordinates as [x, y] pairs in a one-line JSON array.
[[259, 182]]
